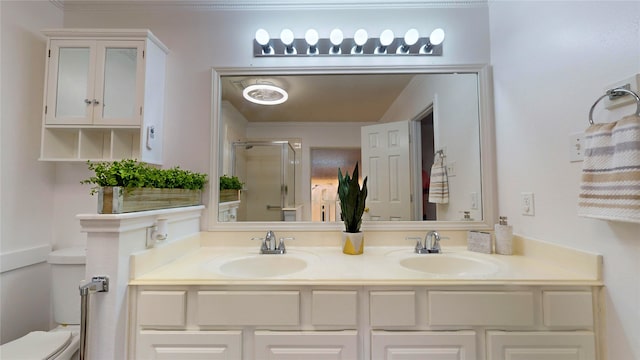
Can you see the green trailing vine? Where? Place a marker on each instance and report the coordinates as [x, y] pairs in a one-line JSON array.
[[129, 174]]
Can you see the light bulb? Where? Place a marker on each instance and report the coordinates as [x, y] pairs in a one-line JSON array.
[[286, 36], [436, 37], [361, 37], [386, 38], [311, 36], [411, 37], [336, 38], [262, 37]]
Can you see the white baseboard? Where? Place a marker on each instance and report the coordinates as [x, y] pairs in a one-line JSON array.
[[16, 259]]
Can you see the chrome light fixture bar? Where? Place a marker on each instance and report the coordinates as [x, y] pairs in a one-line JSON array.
[[361, 44]]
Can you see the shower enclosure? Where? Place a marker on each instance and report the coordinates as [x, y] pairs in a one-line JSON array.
[[267, 169]]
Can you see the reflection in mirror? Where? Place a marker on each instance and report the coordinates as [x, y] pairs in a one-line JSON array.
[[417, 136]]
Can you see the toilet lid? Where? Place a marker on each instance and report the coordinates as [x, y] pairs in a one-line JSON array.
[[36, 345]]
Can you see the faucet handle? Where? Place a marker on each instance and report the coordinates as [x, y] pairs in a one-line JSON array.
[[418, 241], [281, 245], [264, 242]]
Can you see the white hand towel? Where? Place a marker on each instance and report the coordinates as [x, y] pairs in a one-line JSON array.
[[610, 186], [439, 184]]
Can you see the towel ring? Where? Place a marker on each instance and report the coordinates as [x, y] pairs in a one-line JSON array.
[[611, 92]]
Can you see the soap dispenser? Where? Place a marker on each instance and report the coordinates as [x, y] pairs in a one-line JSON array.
[[504, 237]]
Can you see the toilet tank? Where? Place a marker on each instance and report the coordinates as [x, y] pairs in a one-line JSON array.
[[67, 271]]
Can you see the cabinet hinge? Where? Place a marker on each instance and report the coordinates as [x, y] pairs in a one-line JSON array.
[[140, 110], [45, 109], [49, 53], [143, 54]]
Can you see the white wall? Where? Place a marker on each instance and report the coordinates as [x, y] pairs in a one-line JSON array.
[[26, 193], [457, 129], [551, 61], [201, 38]]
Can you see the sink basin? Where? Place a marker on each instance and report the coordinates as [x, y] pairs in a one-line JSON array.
[[262, 266], [445, 264]]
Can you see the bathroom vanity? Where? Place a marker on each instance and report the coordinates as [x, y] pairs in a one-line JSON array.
[[230, 302]]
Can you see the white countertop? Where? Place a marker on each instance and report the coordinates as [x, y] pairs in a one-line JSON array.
[[379, 265]]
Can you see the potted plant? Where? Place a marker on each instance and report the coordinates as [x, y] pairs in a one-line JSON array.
[[128, 185], [352, 207], [230, 187]]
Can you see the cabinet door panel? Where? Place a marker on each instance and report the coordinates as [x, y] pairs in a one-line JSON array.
[[296, 345], [70, 82], [119, 83], [549, 345], [423, 345], [189, 345]]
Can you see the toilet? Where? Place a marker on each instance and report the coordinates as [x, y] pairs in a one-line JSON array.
[[63, 342]]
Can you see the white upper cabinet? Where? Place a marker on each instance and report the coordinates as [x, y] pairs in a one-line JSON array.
[[104, 95]]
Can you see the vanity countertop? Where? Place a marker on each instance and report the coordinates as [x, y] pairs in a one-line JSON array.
[[379, 265]]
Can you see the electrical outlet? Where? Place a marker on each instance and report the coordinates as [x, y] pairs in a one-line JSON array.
[[576, 147], [526, 204]]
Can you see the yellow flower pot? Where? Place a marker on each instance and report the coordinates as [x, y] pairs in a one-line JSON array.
[[352, 243]]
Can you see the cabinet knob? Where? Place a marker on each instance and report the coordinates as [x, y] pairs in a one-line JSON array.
[[87, 101], [96, 102]]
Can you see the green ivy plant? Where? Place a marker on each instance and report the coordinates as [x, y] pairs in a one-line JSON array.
[[130, 173], [352, 200], [230, 183]]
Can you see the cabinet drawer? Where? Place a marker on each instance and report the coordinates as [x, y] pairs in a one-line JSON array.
[[567, 308], [490, 308], [338, 308], [162, 308], [248, 308], [392, 308]]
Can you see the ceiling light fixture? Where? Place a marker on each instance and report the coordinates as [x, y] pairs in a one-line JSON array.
[[360, 44], [264, 94]]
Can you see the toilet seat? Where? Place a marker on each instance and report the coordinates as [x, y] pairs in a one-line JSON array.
[[37, 345]]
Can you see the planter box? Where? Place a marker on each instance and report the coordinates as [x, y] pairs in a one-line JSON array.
[[229, 195], [116, 200]]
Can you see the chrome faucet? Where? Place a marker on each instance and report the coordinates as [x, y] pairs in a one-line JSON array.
[[430, 245], [269, 246]]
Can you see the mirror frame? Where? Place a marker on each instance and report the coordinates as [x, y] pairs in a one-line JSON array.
[[487, 151]]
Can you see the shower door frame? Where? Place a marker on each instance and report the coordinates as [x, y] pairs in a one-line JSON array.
[[285, 145]]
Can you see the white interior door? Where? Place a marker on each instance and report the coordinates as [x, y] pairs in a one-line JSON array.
[[386, 163]]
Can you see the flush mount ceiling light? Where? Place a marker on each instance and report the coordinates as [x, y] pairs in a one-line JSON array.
[[264, 94], [360, 44]]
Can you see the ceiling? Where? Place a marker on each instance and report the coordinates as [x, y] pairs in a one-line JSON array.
[[319, 98]]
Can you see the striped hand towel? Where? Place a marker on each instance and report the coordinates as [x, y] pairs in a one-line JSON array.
[[439, 183], [610, 186]]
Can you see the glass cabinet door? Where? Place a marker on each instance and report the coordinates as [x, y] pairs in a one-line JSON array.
[[71, 82], [119, 83]]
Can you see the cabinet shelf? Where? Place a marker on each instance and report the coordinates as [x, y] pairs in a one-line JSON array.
[[82, 144]]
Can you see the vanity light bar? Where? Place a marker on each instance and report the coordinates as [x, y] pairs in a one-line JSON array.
[[310, 45]]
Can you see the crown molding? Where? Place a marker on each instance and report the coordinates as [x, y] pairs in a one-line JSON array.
[[94, 5]]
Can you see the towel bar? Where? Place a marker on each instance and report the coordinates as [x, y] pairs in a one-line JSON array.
[[615, 91]]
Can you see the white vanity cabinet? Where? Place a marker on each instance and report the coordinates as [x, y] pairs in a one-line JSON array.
[[104, 95], [364, 322]]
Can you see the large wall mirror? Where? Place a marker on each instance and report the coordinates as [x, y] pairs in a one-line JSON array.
[[422, 136]]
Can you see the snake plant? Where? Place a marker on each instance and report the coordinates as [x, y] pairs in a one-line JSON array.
[[352, 199]]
